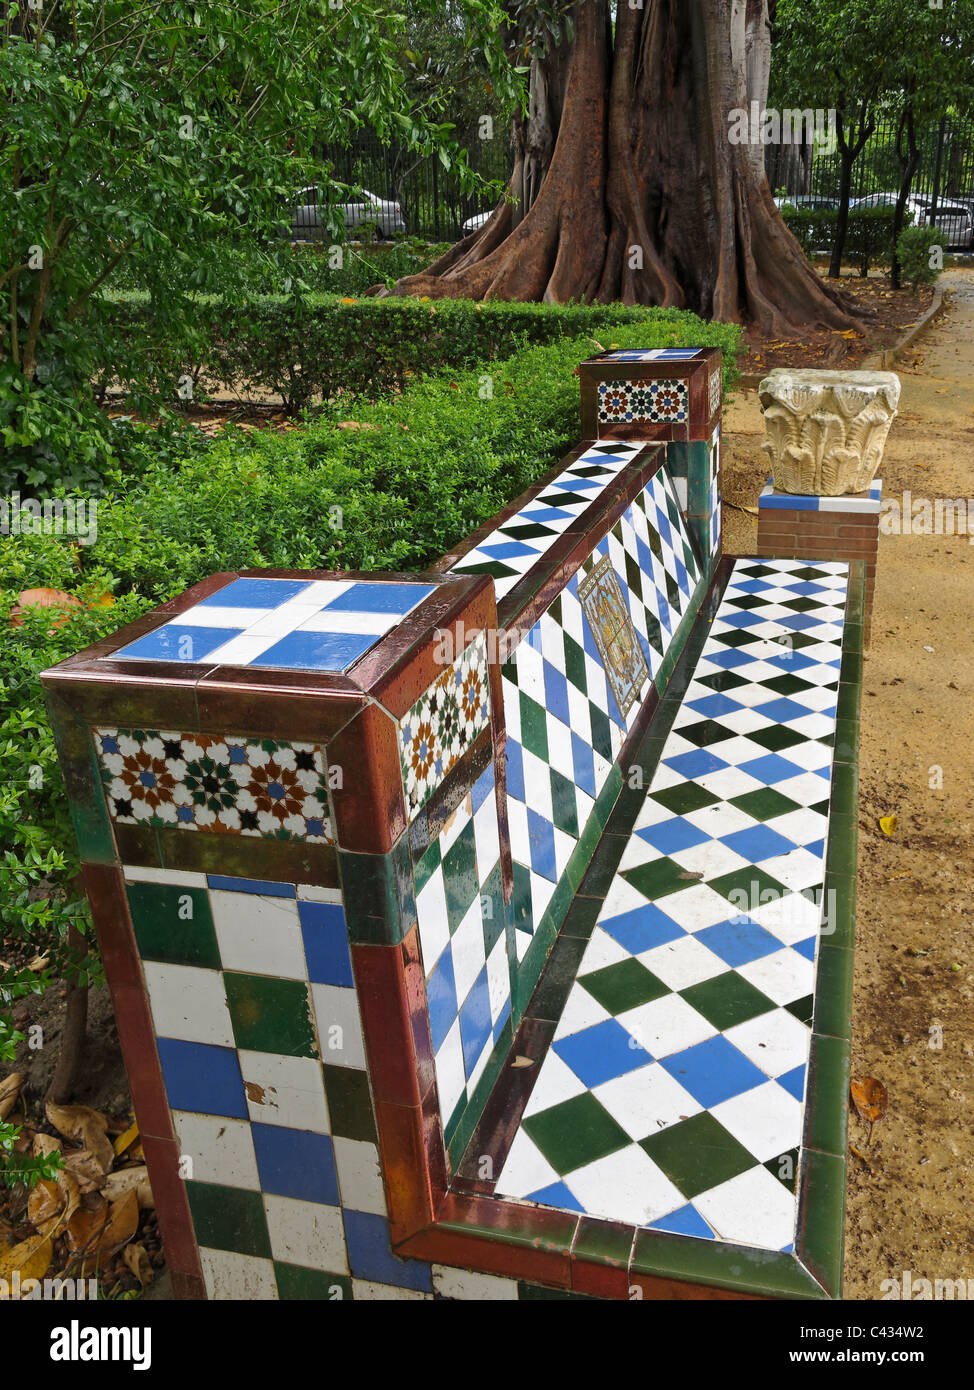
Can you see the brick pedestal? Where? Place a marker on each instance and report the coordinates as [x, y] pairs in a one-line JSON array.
[[826, 528]]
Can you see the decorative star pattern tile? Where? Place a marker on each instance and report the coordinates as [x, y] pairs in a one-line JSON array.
[[230, 785], [517, 545], [443, 724], [564, 724], [714, 391], [463, 941], [295, 624], [664, 401], [257, 1023], [672, 1096]]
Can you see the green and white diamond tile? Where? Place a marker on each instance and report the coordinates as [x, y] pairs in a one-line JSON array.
[[672, 1096], [464, 946]]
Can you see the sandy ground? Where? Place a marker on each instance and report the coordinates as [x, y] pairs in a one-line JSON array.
[[911, 1202]]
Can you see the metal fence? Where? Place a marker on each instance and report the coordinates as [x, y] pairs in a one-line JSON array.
[[435, 207], [945, 172], [430, 196]]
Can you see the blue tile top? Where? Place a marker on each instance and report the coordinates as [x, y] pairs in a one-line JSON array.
[[798, 502], [294, 624], [651, 355]]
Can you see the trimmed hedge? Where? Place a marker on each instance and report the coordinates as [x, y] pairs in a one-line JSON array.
[[321, 346], [869, 238]]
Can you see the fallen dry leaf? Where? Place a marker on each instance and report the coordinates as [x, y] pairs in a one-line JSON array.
[[86, 1169], [51, 1205], [356, 425], [9, 1091], [888, 824], [43, 598], [86, 1126], [871, 1101], [100, 1234], [523, 1062], [127, 1138], [137, 1261], [130, 1179], [31, 1258]]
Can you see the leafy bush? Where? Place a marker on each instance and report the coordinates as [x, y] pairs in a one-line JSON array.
[[920, 251], [869, 239], [309, 345]]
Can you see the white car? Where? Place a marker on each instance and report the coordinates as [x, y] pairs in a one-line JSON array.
[[309, 214], [474, 224], [953, 219]]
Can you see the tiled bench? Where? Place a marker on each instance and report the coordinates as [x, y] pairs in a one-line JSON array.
[[463, 928]]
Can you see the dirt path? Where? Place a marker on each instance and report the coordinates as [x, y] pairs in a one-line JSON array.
[[911, 1204]]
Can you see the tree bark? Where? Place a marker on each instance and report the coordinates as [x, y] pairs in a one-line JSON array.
[[909, 163], [644, 197]]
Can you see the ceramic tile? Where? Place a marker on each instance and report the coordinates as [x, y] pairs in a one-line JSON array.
[[519, 543], [227, 785], [319, 625], [686, 1033], [666, 401], [443, 724]]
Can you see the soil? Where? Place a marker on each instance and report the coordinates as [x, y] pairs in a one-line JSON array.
[[911, 1198], [894, 312]]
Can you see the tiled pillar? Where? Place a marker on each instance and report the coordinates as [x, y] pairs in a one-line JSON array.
[[267, 775], [828, 528], [671, 396]]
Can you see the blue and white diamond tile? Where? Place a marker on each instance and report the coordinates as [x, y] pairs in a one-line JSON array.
[[651, 355], [317, 625]]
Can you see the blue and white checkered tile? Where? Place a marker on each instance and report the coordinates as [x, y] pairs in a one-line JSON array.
[[871, 503], [251, 989], [511, 550], [651, 355], [295, 624], [673, 1094], [460, 911]]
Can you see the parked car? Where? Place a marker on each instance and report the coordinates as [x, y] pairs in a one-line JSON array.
[[309, 214], [954, 218], [806, 202], [474, 224]]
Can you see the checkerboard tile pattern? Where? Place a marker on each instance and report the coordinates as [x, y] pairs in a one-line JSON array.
[[715, 489], [672, 1096], [464, 947], [870, 503], [655, 402], [443, 724], [257, 1023], [224, 784], [321, 625], [651, 355], [564, 726], [515, 547]]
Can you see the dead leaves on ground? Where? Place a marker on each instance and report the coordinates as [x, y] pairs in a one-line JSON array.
[[871, 1101], [91, 1212]]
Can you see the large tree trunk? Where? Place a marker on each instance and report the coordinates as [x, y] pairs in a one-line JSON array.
[[644, 197]]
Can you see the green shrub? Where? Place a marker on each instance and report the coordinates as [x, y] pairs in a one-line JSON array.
[[306, 346], [869, 237], [920, 251]]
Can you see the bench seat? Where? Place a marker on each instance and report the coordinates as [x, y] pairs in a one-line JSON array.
[[704, 957]]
